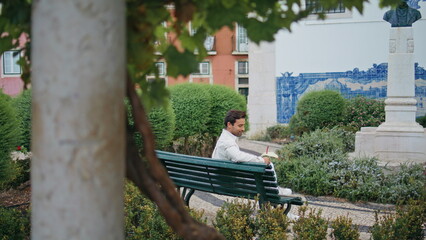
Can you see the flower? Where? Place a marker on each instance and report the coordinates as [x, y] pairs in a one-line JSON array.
[[18, 148]]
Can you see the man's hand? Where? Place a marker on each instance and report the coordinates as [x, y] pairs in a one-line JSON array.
[[267, 160]]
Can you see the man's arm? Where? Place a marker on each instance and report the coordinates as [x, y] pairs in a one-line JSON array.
[[236, 155]]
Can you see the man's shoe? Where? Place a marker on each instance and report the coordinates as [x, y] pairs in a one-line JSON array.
[[284, 191]]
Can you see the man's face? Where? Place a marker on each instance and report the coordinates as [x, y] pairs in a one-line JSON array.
[[238, 128]]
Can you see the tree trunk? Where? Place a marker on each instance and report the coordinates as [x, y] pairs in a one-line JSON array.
[[78, 68]]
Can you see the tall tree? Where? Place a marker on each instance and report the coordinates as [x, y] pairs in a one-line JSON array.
[[79, 78]]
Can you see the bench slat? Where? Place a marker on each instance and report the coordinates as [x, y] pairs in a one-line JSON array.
[[225, 178]]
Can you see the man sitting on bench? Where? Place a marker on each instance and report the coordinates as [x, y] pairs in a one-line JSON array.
[[227, 147]]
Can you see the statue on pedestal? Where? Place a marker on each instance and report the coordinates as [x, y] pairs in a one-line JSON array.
[[402, 16]]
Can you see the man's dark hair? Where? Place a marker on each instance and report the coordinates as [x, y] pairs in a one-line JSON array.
[[234, 115]]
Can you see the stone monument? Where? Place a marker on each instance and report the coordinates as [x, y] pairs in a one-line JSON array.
[[400, 138]]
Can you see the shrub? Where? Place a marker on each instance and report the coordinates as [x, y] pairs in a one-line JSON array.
[[22, 103], [234, 220], [162, 119], [223, 99], [343, 229], [271, 223], [316, 143], [406, 223], [14, 224], [404, 184], [422, 120], [191, 104], [10, 136], [278, 131], [143, 220], [362, 112], [310, 225], [319, 109]]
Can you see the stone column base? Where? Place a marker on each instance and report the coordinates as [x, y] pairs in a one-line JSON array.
[[393, 148]]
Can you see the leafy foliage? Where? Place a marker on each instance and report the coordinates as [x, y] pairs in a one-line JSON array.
[[362, 112], [14, 224], [234, 220], [143, 220], [223, 99], [162, 120], [22, 103], [422, 121], [406, 223], [310, 225], [317, 164], [343, 229], [191, 104], [271, 223], [10, 136], [319, 109]]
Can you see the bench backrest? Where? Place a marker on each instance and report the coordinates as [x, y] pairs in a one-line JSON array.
[[221, 176]]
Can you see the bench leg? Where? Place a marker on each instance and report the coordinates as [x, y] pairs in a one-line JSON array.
[[186, 196]]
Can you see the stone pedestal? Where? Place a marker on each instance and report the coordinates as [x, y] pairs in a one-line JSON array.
[[400, 138]]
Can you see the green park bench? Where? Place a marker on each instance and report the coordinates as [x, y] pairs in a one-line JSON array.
[[246, 180]]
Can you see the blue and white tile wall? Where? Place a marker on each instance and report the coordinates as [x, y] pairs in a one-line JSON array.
[[371, 83]]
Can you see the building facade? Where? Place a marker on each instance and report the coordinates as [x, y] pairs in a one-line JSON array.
[[347, 52]]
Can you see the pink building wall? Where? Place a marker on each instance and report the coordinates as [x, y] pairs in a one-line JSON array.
[[12, 84]]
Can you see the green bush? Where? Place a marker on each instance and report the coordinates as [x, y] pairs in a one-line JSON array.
[[200, 110], [296, 125], [10, 136], [278, 132], [403, 184], [162, 121], [234, 220], [191, 104], [310, 225], [319, 109], [317, 143], [271, 223], [363, 112], [422, 120], [14, 224], [343, 229], [317, 164], [22, 103], [143, 220], [223, 99], [406, 224]]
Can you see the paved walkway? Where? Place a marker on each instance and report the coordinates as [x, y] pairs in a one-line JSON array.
[[362, 214]]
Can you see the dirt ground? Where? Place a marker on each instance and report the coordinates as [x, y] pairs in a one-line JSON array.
[[18, 198]]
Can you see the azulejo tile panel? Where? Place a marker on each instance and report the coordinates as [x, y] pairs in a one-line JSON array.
[[371, 83]]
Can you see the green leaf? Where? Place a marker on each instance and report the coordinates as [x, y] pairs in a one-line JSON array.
[[180, 63]]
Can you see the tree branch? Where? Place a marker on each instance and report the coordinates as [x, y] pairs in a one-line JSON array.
[[152, 179]]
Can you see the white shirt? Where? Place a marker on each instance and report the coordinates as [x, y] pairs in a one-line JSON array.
[[228, 149]]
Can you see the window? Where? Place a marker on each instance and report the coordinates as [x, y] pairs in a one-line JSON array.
[[10, 62], [243, 80], [242, 39], [243, 67], [161, 68], [316, 7], [203, 68], [244, 91]]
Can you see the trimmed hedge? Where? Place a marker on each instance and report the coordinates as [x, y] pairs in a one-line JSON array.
[[10, 136], [319, 109], [162, 121], [223, 99], [192, 106], [22, 104]]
